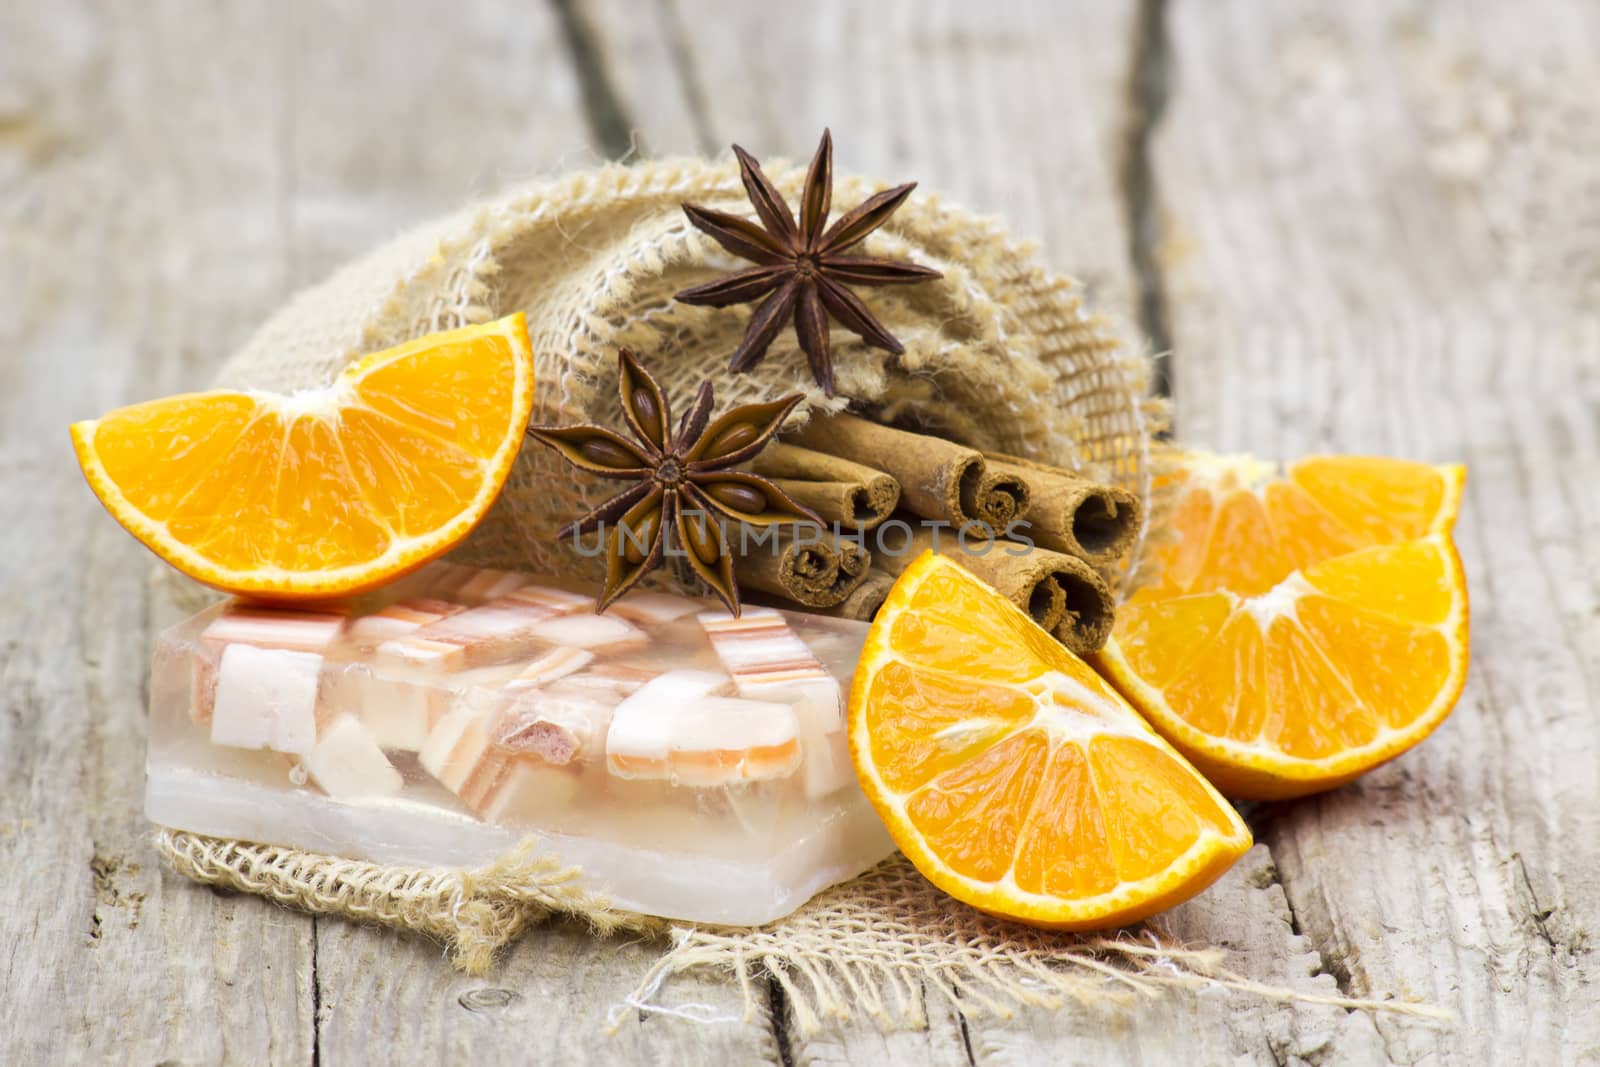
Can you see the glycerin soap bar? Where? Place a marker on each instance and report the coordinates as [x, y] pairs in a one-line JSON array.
[[693, 765]]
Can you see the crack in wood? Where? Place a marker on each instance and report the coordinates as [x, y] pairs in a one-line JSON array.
[[1328, 962], [683, 68], [966, 1039], [610, 124], [1149, 84], [316, 1001], [778, 1016], [108, 895], [1538, 913]]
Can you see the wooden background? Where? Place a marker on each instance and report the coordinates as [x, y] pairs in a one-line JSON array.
[[1359, 226]]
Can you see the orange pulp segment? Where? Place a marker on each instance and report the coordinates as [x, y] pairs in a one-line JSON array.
[[327, 491], [1013, 776], [1337, 668], [1240, 526]]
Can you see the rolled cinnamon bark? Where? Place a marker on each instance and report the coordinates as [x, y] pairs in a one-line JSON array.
[[1072, 514], [868, 597], [1000, 498], [810, 567], [1061, 593], [853, 495], [934, 474]]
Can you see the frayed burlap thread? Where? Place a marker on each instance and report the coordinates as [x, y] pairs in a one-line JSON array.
[[475, 912], [884, 945], [879, 947]]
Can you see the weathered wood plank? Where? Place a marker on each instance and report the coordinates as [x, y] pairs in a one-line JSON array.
[[551, 1000], [1007, 109], [1411, 208], [168, 176], [126, 261], [1400, 258]]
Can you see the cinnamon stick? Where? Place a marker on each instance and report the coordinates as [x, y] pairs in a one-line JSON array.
[[1061, 593], [999, 499], [1073, 514], [934, 474], [868, 597], [853, 495], [810, 567]]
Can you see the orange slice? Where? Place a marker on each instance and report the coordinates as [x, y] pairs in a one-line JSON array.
[[1241, 526], [327, 491], [1013, 776], [1335, 669]]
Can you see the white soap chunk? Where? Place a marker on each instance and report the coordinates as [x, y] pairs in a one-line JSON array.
[[398, 714], [649, 721], [761, 652], [759, 642], [530, 792], [598, 633], [457, 746], [653, 609], [347, 763], [820, 711], [266, 698], [708, 742], [263, 627], [499, 631]]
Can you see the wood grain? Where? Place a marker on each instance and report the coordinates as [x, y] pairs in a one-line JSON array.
[[969, 99], [1369, 227], [108, 220], [1376, 268]]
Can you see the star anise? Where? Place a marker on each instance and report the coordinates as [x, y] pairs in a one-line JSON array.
[[683, 484], [802, 271]]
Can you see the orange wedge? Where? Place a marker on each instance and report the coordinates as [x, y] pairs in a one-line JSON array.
[[327, 491], [1013, 776], [1241, 526], [1337, 668]]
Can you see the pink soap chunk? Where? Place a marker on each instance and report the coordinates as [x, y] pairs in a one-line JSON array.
[[399, 619], [559, 601], [552, 666], [555, 727]]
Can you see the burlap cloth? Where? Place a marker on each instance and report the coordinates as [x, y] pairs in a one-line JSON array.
[[1000, 353]]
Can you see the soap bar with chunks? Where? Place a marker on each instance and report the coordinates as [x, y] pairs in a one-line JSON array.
[[691, 764]]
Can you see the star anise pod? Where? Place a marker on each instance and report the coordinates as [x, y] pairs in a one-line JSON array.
[[683, 484], [802, 271]]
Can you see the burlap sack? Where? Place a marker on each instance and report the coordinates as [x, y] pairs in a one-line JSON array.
[[999, 353]]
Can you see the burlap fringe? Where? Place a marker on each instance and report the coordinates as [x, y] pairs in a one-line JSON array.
[[879, 947], [475, 912]]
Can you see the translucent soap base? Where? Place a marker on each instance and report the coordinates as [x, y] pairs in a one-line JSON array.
[[740, 834]]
